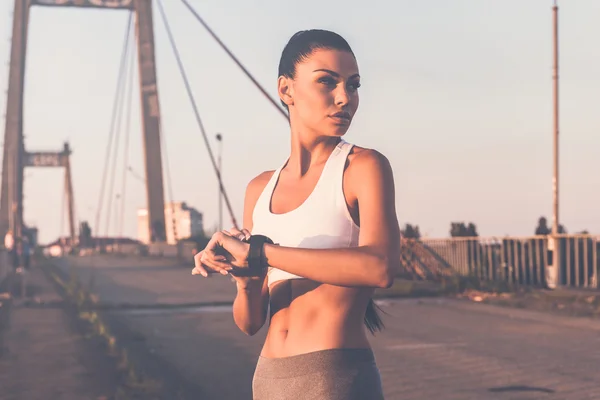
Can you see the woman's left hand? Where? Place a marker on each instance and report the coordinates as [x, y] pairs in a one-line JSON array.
[[236, 252]]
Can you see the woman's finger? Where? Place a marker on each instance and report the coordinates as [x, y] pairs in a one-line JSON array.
[[200, 271], [204, 261], [246, 233], [236, 233], [214, 264], [198, 267]]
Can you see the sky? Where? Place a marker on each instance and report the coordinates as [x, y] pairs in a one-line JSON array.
[[456, 94]]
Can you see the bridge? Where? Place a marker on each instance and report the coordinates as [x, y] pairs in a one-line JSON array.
[[468, 317]]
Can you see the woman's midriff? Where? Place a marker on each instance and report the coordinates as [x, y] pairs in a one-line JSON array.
[[307, 316]]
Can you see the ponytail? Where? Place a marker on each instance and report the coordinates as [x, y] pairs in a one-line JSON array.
[[373, 320]]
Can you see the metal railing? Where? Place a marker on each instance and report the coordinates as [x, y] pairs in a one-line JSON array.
[[522, 260], [419, 263]]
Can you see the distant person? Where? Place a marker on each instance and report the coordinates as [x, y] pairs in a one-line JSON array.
[[328, 258], [17, 255], [9, 241], [12, 248], [26, 253]]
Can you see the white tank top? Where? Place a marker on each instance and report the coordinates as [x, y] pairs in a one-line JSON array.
[[322, 221]]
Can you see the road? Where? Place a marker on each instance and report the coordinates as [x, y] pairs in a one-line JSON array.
[[431, 348]]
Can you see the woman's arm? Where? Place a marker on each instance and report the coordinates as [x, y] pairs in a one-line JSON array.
[[250, 306], [251, 302], [375, 261]]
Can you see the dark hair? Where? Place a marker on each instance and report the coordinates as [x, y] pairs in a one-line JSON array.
[[373, 320], [302, 44]]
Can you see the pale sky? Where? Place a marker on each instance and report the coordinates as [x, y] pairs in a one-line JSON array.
[[457, 94]]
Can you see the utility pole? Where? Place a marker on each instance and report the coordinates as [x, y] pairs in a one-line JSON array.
[[553, 269], [555, 198]]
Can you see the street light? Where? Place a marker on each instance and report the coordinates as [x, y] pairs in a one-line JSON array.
[[553, 268], [219, 138], [555, 192]]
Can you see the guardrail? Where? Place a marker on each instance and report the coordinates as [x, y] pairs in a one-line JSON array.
[[522, 260], [515, 260], [419, 263]]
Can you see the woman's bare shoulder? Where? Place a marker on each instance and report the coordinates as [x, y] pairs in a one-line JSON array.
[[362, 160], [253, 191], [257, 184], [260, 181]]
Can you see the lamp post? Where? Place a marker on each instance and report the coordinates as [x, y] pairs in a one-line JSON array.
[[553, 269], [219, 138], [555, 220]]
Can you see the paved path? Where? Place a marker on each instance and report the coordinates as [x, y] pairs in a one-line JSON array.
[[431, 349], [42, 356]]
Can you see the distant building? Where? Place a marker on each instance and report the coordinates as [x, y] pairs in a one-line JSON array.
[[181, 221]]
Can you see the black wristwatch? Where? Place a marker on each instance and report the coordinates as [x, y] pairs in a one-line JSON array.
[[257, 262]]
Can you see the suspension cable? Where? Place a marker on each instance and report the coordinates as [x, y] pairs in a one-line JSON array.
[[115, 153], [169, 185], [234, 58], [129, 119], [195, 108], [113, 121]]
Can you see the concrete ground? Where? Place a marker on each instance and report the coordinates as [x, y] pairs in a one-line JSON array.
[[43, 354], [434, 348]]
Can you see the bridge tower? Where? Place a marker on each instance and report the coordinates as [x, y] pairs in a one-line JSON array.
[[14, 157]]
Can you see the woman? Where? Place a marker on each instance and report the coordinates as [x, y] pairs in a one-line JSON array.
[[330, 211]]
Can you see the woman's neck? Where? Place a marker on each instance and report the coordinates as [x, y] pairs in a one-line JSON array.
[[308, 150]]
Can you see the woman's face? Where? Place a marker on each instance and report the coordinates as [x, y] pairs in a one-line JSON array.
[[323, 96]]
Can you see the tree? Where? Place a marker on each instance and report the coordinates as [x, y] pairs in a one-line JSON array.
[[460, 229], [472, 230], [411, 232], [543, 229]]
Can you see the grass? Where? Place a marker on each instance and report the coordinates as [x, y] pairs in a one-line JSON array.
[[134, 385]]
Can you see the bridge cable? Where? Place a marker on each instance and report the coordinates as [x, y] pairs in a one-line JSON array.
[[195, 109], [169, 185], [119, 125], [113, 121], [234, 58], [128, 114]]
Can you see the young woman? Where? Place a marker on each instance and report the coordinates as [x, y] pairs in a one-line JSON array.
[[320, 234]]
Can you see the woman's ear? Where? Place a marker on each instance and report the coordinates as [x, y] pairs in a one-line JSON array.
[[284, 88]]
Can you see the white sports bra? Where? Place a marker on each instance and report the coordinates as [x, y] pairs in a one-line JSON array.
[[322, 221]]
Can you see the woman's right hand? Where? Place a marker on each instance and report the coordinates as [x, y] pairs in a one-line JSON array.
[[222, 259], [244, 281]]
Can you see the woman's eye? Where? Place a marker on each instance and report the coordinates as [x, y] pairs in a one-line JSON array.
[[328, 81], [354, 85]]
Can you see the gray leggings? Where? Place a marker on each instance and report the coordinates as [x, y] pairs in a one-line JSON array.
[[336, 374]]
